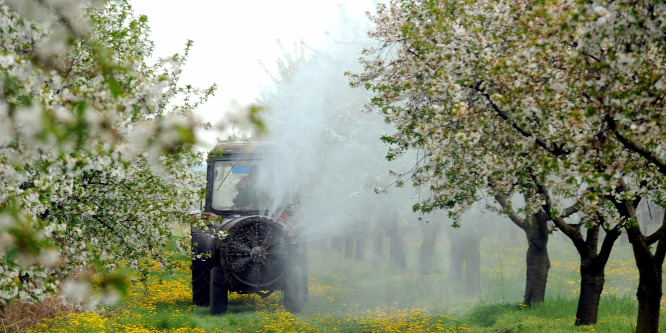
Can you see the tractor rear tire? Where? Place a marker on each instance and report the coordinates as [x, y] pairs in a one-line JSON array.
[[219, 292], [303, 260], [295, 289], [201, 243]]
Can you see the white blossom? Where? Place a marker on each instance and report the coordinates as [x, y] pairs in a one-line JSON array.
[[77, 140]]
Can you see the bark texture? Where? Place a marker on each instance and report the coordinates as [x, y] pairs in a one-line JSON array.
[[591, 284], [535, 227], [538, 263], [649, 266], [592, 260], [592, 272]]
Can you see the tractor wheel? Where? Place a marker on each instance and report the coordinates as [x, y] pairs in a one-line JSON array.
[[219, 292], [201, 243], [303, 260], [304, 286], [295, 289]]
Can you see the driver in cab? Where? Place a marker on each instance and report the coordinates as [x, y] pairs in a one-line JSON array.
[[247, 193]]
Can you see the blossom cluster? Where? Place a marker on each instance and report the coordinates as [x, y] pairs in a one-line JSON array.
[[96, 144]]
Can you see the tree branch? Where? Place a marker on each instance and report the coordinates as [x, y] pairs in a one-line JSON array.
[[571, 232], [651, 239], [642, 251], [591, 56], [661, 246], [555, 149], [650, 156], [113, 231], [506, 205], [607, 245], [573, 209]]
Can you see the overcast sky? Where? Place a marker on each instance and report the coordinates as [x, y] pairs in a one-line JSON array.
[[232, 38]]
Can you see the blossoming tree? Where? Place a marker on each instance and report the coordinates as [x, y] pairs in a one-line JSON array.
[[95, 145], [466, 151], [556, 99]]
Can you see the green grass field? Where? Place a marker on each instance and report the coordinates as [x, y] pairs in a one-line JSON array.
[[347, 296]]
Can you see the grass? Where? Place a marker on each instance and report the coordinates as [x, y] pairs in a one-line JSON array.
[[616, 314], [346, 296]]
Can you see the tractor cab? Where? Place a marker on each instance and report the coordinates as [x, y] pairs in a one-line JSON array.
[[239, 183]]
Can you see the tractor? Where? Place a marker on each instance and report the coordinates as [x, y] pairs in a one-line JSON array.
[[246, 247]]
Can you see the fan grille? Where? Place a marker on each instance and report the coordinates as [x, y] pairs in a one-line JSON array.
[[257, 252]]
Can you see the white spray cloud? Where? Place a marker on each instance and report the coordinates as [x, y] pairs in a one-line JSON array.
[[326, 148]]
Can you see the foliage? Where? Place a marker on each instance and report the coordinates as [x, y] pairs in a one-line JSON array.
[[500, 94], [95, 145]]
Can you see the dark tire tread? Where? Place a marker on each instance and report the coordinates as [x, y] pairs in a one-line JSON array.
[[201, 270], [219, 292], [295, 289]]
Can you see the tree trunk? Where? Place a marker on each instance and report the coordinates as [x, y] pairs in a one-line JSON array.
[[649, 300], [456, 257], [427, 248], [592, 259], [466, 251], [337, 243], [397, 255], [473, 266], [592, 276], [377, 248], [538, 263], [359, 253], [591, 286], [536, 231], [649, 291], [649, 266], [349, 245], [592, 266]]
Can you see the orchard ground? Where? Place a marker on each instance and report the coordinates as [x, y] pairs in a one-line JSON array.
[[350, 296]]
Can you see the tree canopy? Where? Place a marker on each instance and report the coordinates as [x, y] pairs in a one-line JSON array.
[[96, 145], [491, 90]]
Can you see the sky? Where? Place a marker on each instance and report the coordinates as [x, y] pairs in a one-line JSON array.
[[236, 42]]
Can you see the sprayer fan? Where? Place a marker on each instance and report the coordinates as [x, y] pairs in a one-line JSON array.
[[257, 252]]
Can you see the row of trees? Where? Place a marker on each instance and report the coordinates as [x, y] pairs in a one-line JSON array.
[[96, 145], [558, 102]]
